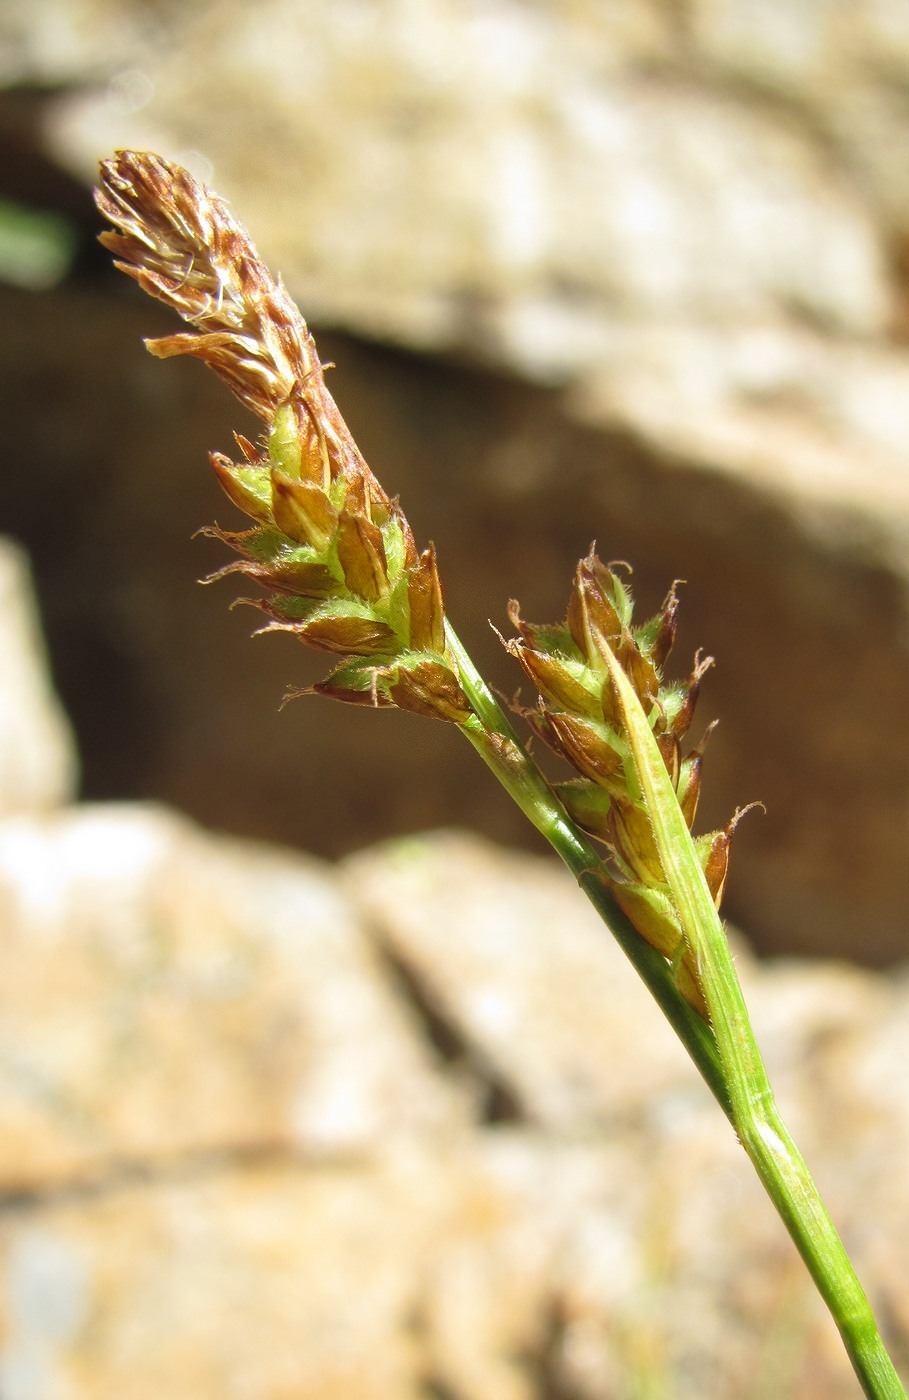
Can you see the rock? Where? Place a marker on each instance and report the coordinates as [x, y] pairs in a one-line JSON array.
[[500, 1270], [246, 1151], [508, 953], [507, 950], [509, 956], [171, 995], [450, 177], [262, 1283], [37, 756]]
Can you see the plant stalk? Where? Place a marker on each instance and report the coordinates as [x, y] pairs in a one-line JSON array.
[[325, 530], [724, 1051]]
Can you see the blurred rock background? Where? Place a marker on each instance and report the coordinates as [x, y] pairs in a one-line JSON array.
[[635, 272], [276, 1127]]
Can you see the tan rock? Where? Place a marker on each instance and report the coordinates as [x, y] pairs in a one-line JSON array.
[[449, 174], [507, 949], [168, 994], [271, 1283], [496, 1271], [234, 1163]]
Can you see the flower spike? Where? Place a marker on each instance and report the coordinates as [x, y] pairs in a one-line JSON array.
[[581, 716], [334, 553]]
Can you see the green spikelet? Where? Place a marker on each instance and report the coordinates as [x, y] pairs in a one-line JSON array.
[[579, 715]]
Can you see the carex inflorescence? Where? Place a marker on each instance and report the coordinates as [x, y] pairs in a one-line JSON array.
[[580, 715], [337, 561], [334, 553]]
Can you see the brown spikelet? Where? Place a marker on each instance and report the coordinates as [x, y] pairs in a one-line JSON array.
[[665, 638], [334, 554], [302, 512], [181, 243], [427, 616]]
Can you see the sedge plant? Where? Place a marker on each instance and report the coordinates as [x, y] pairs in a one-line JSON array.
[[338, 567]]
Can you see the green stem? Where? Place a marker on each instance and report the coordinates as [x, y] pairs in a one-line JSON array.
[[765, 1137], [727, 1055]]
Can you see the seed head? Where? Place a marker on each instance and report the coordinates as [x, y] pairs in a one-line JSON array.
[[334, 552], [579, 716], [182, 245]]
